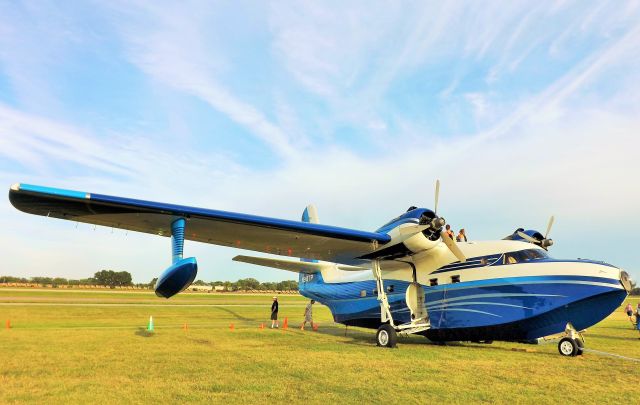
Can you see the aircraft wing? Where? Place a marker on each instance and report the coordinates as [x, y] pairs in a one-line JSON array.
[[243, 231]]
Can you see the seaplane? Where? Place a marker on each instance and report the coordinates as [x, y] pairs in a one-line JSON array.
[[406, 277]]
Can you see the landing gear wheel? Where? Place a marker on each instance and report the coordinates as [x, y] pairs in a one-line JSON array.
[[569, 347], [386, 336]]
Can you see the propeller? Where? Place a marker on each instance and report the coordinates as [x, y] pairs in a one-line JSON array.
[[453, 247], [435, 224], [435, 207], [544, 242]]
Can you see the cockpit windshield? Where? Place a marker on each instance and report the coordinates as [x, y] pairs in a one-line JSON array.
[[525, 256]]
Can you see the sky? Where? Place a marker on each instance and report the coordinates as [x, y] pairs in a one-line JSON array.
[[523, 110]]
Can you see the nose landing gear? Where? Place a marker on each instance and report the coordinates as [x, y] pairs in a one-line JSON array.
[[572, 344]]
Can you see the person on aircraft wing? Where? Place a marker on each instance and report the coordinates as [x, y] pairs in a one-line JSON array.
[[274, 313], [449, 232], [462, 236], [308, 315]]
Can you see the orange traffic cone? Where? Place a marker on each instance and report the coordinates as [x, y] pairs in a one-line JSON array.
[[314, 326], [8, 324], [185, 327], [285, 324], [262, 326], [231, 327]]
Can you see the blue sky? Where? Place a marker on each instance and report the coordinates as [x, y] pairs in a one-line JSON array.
[[521, 109]]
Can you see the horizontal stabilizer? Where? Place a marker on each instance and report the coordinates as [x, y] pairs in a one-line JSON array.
[[290, 265], [296, 266]]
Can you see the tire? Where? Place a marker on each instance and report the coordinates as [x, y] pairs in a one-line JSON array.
[[568, 347], [386, 336]]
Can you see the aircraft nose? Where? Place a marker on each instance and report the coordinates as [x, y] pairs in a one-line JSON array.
[[625, 280]]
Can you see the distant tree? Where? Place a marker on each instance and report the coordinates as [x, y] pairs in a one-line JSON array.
[[153, 282], [42, 280], [11, 279], [113, 278], [59, 281], [200, 282]]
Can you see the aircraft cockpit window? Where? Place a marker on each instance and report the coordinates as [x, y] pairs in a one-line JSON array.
[[524, 256], [510, 259]]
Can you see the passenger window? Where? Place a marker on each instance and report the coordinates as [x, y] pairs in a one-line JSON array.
[[363, 293], [455, 279], [484, 261], [390, 288], [433, 281], [509, 259]]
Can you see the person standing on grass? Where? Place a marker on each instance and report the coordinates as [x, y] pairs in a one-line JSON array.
[[308, 315], [274, 313], [462, 236], [629, 310]]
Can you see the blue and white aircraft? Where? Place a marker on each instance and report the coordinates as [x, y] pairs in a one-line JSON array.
[[407, 277]]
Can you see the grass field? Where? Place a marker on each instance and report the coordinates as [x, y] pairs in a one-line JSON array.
[[92, 347]]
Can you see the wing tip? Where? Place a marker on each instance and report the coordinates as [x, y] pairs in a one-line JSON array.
[[15, 187]]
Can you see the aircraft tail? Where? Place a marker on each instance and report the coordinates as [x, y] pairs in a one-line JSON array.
[[310, 215]]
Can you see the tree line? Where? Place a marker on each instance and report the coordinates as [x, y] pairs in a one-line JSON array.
[[113, 279]]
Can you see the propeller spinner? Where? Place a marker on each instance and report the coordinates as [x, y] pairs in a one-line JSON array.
[[544, 242]]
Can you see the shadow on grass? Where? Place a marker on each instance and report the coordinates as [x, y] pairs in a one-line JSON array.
[[236, 315], [632, 336], [143, 332]]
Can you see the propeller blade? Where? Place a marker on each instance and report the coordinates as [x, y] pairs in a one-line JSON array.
[[453, 247], [546, 235], [435, 208], [527, 237]]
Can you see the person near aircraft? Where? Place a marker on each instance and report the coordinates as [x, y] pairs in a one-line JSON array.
[[308, 315], [629, 310], [274, 313], [449, 232], [462, 236]]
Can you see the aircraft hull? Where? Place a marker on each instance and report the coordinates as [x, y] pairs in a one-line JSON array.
[[521, 307]]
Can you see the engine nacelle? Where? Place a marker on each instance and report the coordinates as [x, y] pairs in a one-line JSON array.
[[419, 242], [177, 277]]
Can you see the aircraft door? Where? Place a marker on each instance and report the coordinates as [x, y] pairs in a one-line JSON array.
[[415, 302]]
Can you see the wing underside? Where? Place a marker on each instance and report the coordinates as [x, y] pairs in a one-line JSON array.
[[262, 234]]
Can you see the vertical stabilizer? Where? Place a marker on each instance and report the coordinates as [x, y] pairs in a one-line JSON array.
[[310, 214]]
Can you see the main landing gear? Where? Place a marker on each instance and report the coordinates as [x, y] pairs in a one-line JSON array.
[[387, 334], [572, 344]]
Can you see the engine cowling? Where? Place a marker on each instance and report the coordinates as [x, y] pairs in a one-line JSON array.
[[419, 242]]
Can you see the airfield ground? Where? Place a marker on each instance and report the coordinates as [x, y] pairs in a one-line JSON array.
[[92, 347]]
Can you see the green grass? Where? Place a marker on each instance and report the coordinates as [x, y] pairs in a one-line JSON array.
[[93, 353]]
